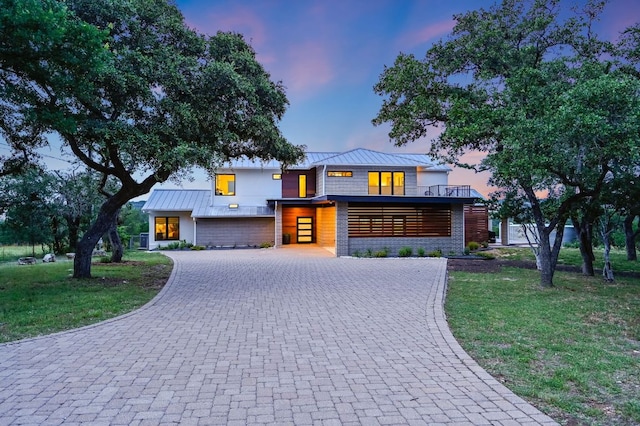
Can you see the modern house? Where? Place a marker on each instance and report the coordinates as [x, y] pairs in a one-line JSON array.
[[347, 202]]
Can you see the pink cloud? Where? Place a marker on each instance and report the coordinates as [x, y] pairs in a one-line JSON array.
[[308, 67], [425, 34], [241, 20]]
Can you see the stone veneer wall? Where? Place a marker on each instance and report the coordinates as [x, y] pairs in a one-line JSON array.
[[234, 232]]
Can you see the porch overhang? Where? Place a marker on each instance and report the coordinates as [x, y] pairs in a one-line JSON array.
[[393, 199]]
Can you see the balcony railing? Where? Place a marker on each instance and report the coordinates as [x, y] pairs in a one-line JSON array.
[[445, 191]]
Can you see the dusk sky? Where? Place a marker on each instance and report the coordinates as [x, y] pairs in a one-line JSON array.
[[329, 54]]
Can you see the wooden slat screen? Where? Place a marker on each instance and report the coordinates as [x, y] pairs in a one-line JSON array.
[[367, 220], [476, 224]]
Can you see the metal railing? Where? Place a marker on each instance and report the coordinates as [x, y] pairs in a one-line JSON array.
[[445, 191]]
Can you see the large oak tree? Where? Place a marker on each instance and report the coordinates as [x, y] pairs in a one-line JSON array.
[[540, 95], [134, 93]]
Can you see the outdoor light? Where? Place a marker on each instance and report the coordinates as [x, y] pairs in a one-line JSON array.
[[233, 206]]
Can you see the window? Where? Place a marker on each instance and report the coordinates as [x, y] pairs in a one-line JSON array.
[[225, 184], [167, 228], [336, 173], [276, 176], [386, 183], [302, 186]]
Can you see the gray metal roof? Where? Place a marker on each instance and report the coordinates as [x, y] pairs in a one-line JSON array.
[[367, 157], [226, 212], [354, 157], [176, 199]]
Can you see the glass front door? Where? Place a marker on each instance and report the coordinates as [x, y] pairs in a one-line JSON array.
[[305, 230]]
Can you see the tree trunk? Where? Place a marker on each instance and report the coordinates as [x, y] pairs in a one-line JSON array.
[[585, 237], [106, 217], [73, 224], [607, 270], [630, 237], [116, 244]]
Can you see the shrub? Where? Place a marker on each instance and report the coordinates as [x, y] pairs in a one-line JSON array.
[[266, 244], [473, 246], [405, 252], [381, 253], [198, 247], [368, 253], [435, 253], [467, 251], [486, 255], [485, 244], [421, 252], [357, 253]]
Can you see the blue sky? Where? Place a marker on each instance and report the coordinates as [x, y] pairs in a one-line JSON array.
[[330, 53]]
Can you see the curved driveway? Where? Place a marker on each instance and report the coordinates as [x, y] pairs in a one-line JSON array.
[[265, 337]]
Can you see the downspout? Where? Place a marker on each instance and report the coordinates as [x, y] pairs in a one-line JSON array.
[[195, 231], [324, 179]]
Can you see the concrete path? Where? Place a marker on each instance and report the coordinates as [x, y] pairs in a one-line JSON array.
[[265, 337]]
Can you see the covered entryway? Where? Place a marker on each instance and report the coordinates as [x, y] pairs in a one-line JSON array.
[[304, 230]]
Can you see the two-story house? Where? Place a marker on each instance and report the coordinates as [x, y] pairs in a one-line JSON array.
[[347, 202]]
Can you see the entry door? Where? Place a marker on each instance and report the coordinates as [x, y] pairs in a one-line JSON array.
[[305, 230]]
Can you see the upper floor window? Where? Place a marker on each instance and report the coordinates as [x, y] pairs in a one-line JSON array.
[[339, 173], [276, 176], [225, 184], [302, 186], [386, 183], [167, 228]]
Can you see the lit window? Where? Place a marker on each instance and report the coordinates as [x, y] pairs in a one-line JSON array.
[[302, 186], [225, 184], [386, 183], [276, 176], [336, 173], [167, 228]]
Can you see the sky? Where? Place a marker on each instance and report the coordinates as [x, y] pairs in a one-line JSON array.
[[330, 53]]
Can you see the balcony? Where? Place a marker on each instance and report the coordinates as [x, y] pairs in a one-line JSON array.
[[445, 191]]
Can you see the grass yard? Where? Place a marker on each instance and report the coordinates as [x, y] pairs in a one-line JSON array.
[[43, 298], [573, 350]]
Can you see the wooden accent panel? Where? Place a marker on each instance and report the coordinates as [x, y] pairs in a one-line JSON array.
[[290, 181], [399, 220], [476, 224], [290, 217]]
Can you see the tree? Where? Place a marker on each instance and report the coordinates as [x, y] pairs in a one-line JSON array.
[[160, 99], [532, 92], [26, 200]]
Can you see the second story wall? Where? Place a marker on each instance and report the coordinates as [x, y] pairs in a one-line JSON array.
[[246, 187], [350, 180], [299, 184]]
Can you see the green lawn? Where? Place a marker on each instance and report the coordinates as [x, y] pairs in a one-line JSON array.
[[43, 298], [572, 350]]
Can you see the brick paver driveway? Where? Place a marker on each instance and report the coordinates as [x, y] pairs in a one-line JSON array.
[[265, 337]]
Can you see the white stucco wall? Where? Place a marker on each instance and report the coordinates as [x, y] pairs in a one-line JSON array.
[[253, 187], [186, 228], [428, 177]]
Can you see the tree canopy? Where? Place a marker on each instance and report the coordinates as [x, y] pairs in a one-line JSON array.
[[553, 107], [134, 93]]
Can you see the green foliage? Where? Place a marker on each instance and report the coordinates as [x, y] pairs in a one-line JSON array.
[[266, 244], [497, 85], [381, 253], [473, 246], [198, 248], [405, 252], [421, 252], [146, 97], [467, 250], [435, 253]]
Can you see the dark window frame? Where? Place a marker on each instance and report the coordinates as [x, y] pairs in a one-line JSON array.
[[380, 185], [164, 235]]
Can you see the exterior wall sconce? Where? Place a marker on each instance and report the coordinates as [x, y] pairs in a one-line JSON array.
[[233, 206]]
